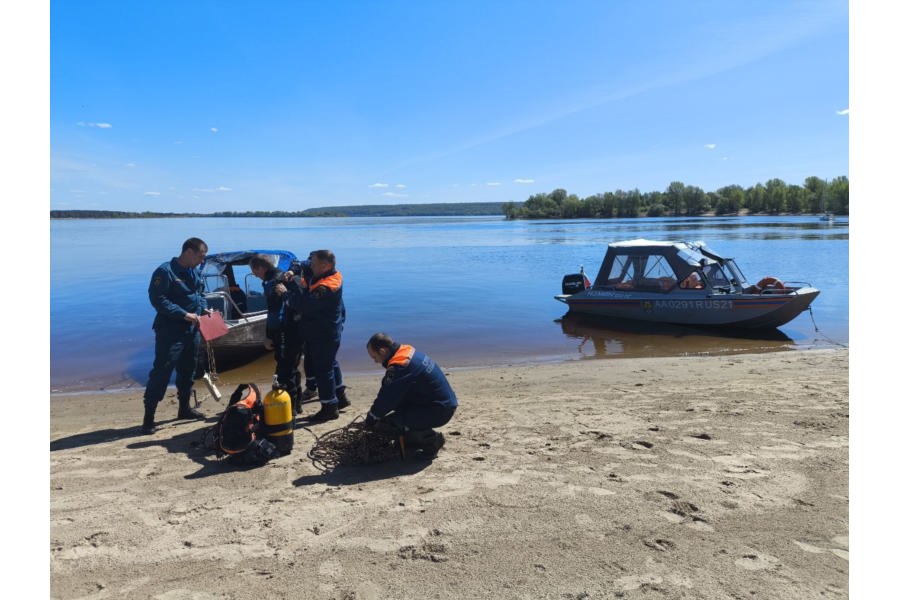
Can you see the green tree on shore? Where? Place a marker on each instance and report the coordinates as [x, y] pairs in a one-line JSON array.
[[774, 197]]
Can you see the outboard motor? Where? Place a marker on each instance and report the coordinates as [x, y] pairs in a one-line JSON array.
[[573, 283]]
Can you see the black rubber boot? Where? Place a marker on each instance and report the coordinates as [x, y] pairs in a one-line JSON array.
[[186, 411], [343, 401], [424, 443], [148, 426], [328, 412]]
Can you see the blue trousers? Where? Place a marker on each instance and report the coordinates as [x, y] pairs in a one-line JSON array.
[[416, 417], [176, 350], [288, 350], [326, 370]]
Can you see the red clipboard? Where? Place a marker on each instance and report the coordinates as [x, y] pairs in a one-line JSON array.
[[212, 326]]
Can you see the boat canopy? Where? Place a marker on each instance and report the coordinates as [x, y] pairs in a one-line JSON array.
[[217, 264], [682, 258]]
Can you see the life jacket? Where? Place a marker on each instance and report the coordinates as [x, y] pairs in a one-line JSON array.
[[238, 425]]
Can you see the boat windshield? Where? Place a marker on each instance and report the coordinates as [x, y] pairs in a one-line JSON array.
[[725, 275], [716, 276], [736, 272]]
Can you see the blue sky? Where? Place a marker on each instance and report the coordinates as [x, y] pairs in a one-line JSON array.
[[203, 106]]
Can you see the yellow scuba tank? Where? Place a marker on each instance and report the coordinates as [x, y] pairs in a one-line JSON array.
[[278, 418]]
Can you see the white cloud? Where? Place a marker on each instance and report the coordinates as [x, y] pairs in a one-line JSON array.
[[222, 188], [130, 165], [493, 183], [98, 125], [523, 180], [151, 193], [709, 146], [400, 186], [379, 185], [178, 142], [394, 195], [846, 111], [214, 129], [203, 190]]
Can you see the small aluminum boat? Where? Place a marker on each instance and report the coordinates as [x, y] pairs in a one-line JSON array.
[[235, 292], [683, 283]]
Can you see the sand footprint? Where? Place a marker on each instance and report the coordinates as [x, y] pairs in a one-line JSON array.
[[840, 550], [756, 562], [660, 544]]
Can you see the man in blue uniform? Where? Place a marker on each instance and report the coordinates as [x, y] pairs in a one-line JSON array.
[[303, 269], [176, 292], [321, 305], [415, 396], [282, 329]]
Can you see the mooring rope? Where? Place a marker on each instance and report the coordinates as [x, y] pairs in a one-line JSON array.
[[211, 363], [819, 331], [351, 444]]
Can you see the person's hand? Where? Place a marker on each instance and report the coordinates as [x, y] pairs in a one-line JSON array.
[[268, 345], [279, 289], [287, 276], [193, 318]]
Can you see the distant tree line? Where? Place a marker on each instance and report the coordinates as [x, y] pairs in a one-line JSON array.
[[775, 197], [112, 214], [387, 210], [445, 209]]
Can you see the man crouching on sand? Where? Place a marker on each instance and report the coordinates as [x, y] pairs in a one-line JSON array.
[[414, 397]]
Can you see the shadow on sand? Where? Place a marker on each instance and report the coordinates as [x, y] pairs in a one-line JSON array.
[[101, 436], [355, 474]]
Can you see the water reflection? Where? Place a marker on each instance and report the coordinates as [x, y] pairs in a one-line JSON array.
[[691, 228], [605, 338]]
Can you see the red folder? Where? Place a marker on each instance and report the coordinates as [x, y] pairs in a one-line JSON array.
[[212, 326]]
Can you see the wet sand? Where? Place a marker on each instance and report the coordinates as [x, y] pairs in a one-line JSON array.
[[686, 477]]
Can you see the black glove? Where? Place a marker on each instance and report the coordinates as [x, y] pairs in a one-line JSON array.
[[369, 423]]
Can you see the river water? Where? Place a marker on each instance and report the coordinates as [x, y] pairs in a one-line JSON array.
[[469, 291]]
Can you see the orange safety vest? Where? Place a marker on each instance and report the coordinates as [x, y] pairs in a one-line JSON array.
[[402, 356], [332, 282]]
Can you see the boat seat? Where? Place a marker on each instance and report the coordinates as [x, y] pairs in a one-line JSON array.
[[666, 283], [651, 284], [217, 301], [256, 302]]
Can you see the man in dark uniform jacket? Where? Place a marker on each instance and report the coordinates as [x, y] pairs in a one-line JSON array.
[[282, 329], [176, 292], [303, 269], [415, 396], [321, 305]]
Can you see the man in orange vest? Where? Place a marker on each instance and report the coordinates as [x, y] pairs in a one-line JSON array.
[[415, 396], [321, 304]]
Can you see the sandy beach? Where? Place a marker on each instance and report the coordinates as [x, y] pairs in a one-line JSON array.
[[689, 477]]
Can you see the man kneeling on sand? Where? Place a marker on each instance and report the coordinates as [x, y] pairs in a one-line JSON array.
[[414, 398]]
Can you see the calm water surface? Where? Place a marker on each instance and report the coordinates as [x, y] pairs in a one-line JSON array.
[[471, 292]]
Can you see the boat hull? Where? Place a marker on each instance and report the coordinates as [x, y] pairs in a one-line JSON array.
[[244, 341], [753, 311]]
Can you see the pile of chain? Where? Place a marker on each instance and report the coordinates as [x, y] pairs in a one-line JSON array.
[[352, 444]]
